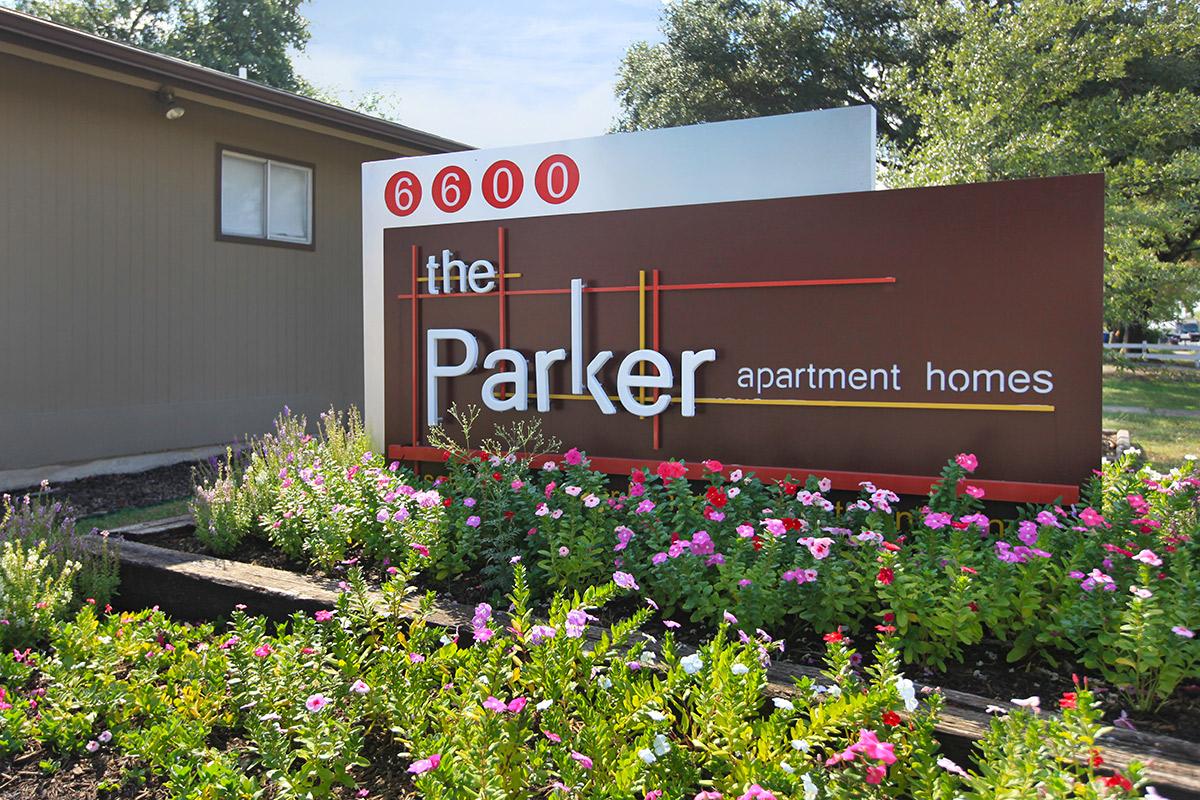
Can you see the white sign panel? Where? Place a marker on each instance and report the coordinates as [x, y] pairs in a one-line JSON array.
[[815, 152]]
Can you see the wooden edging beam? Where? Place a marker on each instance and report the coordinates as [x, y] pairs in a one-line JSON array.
[[174, 581]]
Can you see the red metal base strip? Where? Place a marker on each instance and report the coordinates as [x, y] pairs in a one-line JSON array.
[[1005, 491]]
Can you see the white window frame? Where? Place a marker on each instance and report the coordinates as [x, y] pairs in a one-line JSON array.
[[266, 163]]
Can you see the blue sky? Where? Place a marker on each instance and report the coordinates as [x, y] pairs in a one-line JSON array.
[[485, 73]]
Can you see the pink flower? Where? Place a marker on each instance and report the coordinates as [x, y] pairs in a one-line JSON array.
[[573, 457], [1179, 630], [359, 687], [583, 760], [1092, 518], [493, 704], [644, 507], [730, 618], [974, 491], [420, 548], [323, 616], [263, 650], [876, 774], [416, 658], [316, 702], [92, 746], [473, 521], [554, 737], [937, 520], [708, 795], [967, 461], [713, 465], [426, 764], [516, 705], [1148, 557], [756, 792]]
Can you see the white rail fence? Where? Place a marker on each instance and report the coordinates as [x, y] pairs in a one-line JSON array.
[[1185, 353]]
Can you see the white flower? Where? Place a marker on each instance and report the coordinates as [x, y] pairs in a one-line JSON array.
[[542, 706], [783, 703], [661, 745], [646, 657], [800, 744], [604, 682], [1034, 702], [786, 767], [692, 664], [1188, 457], [810, 787], [739, 669], [657, 716], [950, 766], [834, 691], [907, 693], [645, 755]]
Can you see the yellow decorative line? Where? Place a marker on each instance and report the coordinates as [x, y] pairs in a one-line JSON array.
[[762, 401]]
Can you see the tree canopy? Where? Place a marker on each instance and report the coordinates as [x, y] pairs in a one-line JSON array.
[[971, 90], [221, 34]]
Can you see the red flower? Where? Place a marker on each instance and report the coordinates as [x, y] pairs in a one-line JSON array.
[[1119, 780], [445, 455], [885, 576], [496, 476], [1096, 759], [889, 617], [448, 502], [890, 546], [757, 542], [716, 497], [789, 488], [973, 606], [637, 476], [669, 470], [509, 514], [836, 636], [1069, 700], [891, 718], [887, 629], [713, 465]]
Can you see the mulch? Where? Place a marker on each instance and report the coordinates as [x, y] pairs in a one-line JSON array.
[[104, 494]]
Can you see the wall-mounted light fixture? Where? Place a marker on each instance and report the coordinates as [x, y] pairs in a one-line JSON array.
[[166, 98]]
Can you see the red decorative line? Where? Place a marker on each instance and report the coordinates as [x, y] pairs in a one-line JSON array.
[[416, 353], [1005, 491], [657, 422], [678, 287]]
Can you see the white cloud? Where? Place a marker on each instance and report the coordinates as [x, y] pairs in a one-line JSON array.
[[503, 74]]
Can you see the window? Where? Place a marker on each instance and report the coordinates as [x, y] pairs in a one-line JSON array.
[[262, 198]]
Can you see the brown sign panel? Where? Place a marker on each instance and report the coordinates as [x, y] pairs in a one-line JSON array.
[[865, 335]]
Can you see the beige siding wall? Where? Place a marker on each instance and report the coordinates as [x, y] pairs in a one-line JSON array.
[[125, 327]]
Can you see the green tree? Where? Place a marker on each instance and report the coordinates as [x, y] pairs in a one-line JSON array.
[[1025, 89], [222, 34], [732, 59]]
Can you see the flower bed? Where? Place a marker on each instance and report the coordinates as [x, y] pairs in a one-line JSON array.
[[1109, 585], [350, 702]]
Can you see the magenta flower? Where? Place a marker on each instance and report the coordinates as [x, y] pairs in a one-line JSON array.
[[323, 616], [263, 650], [583, 760], [624, 580], [573, 457], [495, 705], [426, 764], [473, 521], [967, 461], [420, 548]]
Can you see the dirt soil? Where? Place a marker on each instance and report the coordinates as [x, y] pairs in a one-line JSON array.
[[983, 670], [103, 494], [99, 776]]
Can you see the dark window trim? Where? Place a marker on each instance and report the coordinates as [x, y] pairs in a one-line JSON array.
[[264, 241]]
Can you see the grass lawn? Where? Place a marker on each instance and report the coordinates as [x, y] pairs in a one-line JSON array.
[[1165, 440], [1152, 387], [129, 516]]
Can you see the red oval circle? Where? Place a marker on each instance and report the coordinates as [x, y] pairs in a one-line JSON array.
[[402, 185], [557, 178], [498, 191], [451, 182]]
